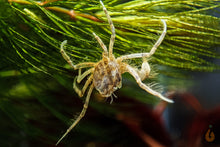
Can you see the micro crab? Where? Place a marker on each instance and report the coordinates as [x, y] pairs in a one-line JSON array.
[[105, 75]]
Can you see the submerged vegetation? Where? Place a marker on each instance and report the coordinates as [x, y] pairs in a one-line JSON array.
[[34, 77], [39, 28]]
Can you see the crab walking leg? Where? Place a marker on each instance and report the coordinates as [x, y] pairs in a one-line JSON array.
[[112, 40], [85, 106], [145, 70], [84, 65], [159, 41], [80, 76], [67, 58], [101, 44], [154, 48], [133, 72], [81, 92]]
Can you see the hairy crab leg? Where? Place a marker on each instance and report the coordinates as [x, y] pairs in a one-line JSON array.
[[81, 92], [133, 72], [152, 51], [112, 40], [85, 106], [101, 44], [67, 58]]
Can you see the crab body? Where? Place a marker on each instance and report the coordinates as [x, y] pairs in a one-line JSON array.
[[107, 77]]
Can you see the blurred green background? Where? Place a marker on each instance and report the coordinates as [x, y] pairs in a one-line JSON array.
[[37, 102]]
